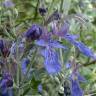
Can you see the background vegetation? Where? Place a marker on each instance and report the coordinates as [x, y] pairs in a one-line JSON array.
[[16, 20]]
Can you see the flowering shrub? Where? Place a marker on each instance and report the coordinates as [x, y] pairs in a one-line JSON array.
[[44, 48]]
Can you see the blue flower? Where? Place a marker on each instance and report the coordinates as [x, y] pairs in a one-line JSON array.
[[76, 75], [75, 78], [64, 30], [21, 47], [75, 88], [85, 50], [81, 78], [4, 49], [6, 82], [51, 62], [82, 48], [34, 32], [4, 92], [11, 92], [8, 3], [68, 65], [54, 16], [24, 64], [1, 45], [8, 79], [42, 11], [41, 42], [13, 49], [40, 88], [71, 38], [51, 43]]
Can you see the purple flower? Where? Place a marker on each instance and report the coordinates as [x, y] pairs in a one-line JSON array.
[[13, 49], [40, 88], [81, 78], [10, 92], [4, 49], [6, 82], [4, 92], [51, 62], [54, 16], [41, 42], [21, 47], [85, 50], [42, 11], [64, 30], [75, 88], [68, 65], [8, 3], [24, 64], [51, 43], [76, 75], [82, 48], [71, 38], [75, 78], [34, 32], [1, 45], [8, 78]]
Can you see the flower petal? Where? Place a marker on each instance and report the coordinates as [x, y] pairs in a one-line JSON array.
[[1, 45], [71, 38], [81, 78], [40, 88], [75, 88], [8, 3], [41, 42], [13, 49], [64, 30], [68, 65], [51, 62], [24, 63], [85, 50], [34, 32]]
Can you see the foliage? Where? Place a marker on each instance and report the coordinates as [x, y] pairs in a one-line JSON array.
[[45, 46]]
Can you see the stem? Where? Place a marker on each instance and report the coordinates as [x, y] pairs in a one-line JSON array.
[[61, 6], [61, 54], [18, 67], [36, 10], [87, 64], [33, 57]]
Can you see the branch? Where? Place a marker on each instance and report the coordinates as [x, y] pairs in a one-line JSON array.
[[87, 64]]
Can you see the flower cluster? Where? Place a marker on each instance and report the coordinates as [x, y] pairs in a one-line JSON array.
[[49, 50], [5, 83], [28, 59], [48, 44], [75, 78], [34, 32], [4, 50]]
